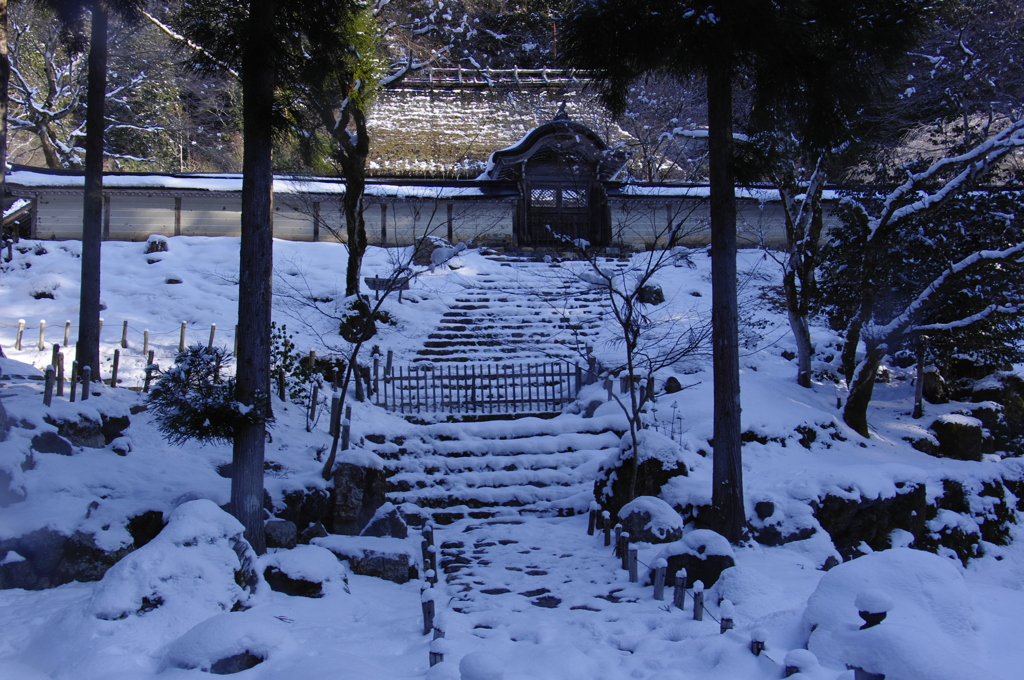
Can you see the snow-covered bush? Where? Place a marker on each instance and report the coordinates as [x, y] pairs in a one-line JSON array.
[[191, 400]]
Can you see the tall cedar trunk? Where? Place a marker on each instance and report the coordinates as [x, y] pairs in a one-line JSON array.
[[88, 349], [727, 475], [5, 79], [353, 163], [255, 266]]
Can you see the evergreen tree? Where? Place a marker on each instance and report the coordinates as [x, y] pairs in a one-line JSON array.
[[793, 58]]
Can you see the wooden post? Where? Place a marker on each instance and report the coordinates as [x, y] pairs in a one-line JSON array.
[[113, 371], [10, 248], [679, 592], [124, 335], [74, 380], [42, 334], [624, 549], [50, 379], [632, 563], [67, 332], [698, 601], [606, 523], [60, 374], [17, 338], [181, 338], [145, 342], [149, 372], [281, 383], [54, 354], [919, 387], [757, 640], [357, 373], [335, 414], [437, 650], [86, 381], [216, 369], [213, 331], [346, 428], [660, 567], [595, 513], [451, 223], [428, 605], [618, 541], [727, 614], [313, 399]]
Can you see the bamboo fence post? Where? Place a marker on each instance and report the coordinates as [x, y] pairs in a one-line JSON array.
[[113, 371], [17, 339], [124, 335], [213, 331], [67, 332], [181, 338], [42, 334], [145, 342]]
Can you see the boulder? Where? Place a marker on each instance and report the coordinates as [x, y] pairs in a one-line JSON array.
[[650, 295], [959, 436], [660, 460], [933, 387], [305, 507], [358, 492], [83, 431], [387, 521], [388, 558], [703, 553], [672, 385], [51, 442], [651, 520], [281, 533], [306, 571]]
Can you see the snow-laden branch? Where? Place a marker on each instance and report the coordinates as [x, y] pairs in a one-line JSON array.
[[968, 320], [905, 319], [178, 38], [976, 161]]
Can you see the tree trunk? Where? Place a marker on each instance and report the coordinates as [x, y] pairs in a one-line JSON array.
[[5, 79], [255, 266], [727, 475], [855, 413], [87, 350], [801, 330], [353, 164]]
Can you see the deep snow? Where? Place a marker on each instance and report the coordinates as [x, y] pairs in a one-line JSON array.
[[947, 620]]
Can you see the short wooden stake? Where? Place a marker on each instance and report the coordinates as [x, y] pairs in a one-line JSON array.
[[624, 549], [60, 374], [42, 334], [50, 379], [10, 250], [67, 332], [428, 605], [698, 601], [313, 399], [618, 541], [346, 429], [632, 563], [149, 372], [113, 371], [53, 354], [595, 515], [181, 338], [213, 331], [86, 382], [145, 343], [437, 649], [679, 592], [335, 415], [726, 621], [74, 380], [124, 335], [17, 339], [606, 520], [757, 639], [660, 568]]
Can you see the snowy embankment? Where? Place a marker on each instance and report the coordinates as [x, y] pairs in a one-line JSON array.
[[800, 463]]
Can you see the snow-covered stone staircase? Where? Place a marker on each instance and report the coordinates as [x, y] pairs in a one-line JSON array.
[[451, 471], [504, 315]]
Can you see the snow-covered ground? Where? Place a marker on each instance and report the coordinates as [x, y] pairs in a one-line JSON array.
[[545, 600]]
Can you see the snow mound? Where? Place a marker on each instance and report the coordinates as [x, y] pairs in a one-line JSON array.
[[930, 633], [664, 519], [228, 635], [198, 564]]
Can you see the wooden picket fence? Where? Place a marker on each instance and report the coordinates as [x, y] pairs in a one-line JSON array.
[[481, 389]]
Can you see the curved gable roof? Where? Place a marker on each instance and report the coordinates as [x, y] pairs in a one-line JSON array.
[[568, 137]]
